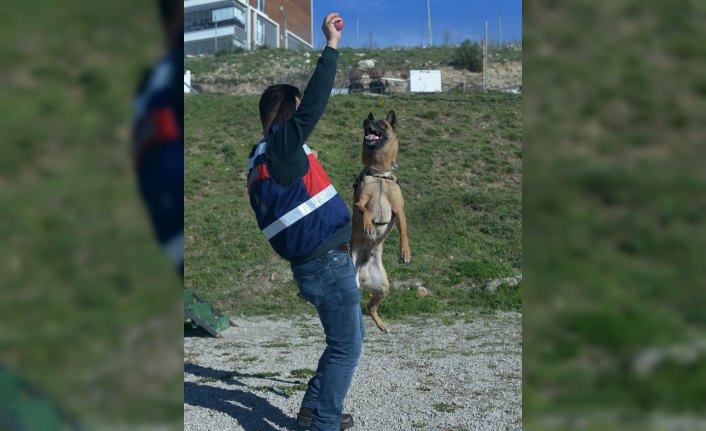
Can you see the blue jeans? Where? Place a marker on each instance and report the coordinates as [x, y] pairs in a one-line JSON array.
[[328, 282]]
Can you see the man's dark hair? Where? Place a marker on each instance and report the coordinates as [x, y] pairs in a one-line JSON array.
[[274, 100]]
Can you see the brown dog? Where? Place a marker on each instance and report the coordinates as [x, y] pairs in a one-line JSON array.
[[378, 207]]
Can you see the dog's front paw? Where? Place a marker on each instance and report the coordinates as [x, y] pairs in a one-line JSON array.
[[405, 256], [368, 227]]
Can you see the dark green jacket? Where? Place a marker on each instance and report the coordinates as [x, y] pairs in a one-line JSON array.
[[286, 159]]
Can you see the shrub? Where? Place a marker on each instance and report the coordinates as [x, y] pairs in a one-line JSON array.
[[469, 55], [377, 86], [355, 74], [356, 87]]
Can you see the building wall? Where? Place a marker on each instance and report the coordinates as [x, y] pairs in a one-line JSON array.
[[201, 24], [203, 20], [298, 17]]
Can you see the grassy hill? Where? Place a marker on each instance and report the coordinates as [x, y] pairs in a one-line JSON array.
[[245, 62], [90, 306], [251, 70], [614, 216], [460, 167]]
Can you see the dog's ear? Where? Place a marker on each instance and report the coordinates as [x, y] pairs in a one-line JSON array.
[[392, 118], [368, 120]]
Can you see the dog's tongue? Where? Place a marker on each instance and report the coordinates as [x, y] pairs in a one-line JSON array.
[[372, 137]]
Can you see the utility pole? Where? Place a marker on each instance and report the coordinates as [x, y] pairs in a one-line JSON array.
[[356, 25], [500, 27], [215, 39], [429, 22], [485, 59]]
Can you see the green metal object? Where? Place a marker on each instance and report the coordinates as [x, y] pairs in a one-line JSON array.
[[24, 408], [202, 314]]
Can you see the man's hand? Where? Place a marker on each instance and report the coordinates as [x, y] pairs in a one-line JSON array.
[[333, 36]]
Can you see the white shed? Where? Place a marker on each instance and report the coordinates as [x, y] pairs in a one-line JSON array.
[[425, 81]]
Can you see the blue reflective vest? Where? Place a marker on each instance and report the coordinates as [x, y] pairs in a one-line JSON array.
[[298, 218]]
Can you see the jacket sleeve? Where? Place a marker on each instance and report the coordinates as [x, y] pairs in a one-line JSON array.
[[285, 145]]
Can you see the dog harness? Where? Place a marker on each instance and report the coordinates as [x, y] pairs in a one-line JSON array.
[[299, 218], [382, 175]]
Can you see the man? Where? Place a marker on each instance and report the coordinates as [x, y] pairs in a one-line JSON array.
[[308, 224], [158, 138]]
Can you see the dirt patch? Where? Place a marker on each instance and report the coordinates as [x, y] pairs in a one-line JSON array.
[[458, 372], [224, 81]]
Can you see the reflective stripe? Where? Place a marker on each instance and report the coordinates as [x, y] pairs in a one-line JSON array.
[[175, 248], [299, 212], [257, 175], [261, 148], [158, 80]]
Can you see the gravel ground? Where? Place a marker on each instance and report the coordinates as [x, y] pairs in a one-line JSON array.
[[454, 373]]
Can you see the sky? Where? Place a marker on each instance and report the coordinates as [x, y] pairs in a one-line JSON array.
[[390, 23]]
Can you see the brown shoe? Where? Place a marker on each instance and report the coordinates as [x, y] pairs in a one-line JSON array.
[[306, 415]]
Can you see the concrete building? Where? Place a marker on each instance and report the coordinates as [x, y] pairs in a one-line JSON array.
[[211, 26]]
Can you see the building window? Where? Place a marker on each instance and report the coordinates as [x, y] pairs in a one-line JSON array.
[[239, 17], [261, 5], [200, 20], [207, 19], [224, 14], [260, 33]]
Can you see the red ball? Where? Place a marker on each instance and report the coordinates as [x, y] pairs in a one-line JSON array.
[[338, 25]]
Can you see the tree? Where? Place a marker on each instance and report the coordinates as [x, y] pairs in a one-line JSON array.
[[469, 55], [371, 40]]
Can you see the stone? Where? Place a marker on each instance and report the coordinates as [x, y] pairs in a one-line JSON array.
[[368, 63]]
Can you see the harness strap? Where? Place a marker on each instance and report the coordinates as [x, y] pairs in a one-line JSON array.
[[366, 173]]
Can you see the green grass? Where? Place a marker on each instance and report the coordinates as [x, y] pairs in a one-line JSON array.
[[89, 303], [276, 344], [614, 209], [445, 407], [302, 373], [462, 193]]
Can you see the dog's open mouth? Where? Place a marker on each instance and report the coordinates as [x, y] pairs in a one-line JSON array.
[[373, 137]]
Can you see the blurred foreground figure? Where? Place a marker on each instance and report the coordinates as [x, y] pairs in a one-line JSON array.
[[158, 138]]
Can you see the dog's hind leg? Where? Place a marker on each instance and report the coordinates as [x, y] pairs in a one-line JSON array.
[[380, 290], [377, 298], [397, 204]]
